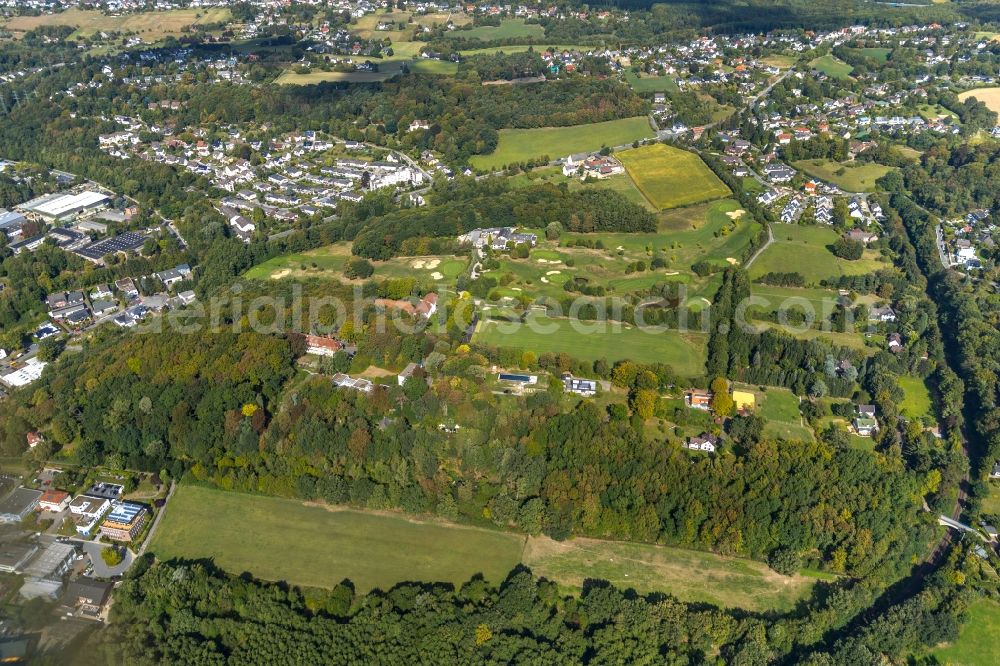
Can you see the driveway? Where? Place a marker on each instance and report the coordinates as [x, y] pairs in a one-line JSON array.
[[102, 570]]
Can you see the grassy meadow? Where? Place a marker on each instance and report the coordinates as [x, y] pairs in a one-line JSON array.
[[283, 539], [589, 341], [832, 67], [519, 145], [916, 397], [689, 575], [804, 249], [857, 176], [670, 177], [514, 28], [318, 546]]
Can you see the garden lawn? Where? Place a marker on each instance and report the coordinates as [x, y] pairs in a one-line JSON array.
[[779, 407], [804, 250], [283, 539], [589, 341], [857, 176], [670, 177], [691, 576], [520, 145], [916, 397]]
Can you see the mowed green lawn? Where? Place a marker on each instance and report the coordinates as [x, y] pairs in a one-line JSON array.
[[589, 341], [832, 67], [857, 176], [780, 409], [519, 145], [916, 397], [670, 177], [977, 640], [282, 539], [804, 250], [689, 575], [648, 84]]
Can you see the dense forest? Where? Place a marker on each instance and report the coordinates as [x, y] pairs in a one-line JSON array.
[[189, 612]]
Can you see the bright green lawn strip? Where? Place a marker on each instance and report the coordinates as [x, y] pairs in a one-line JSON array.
[[281, 539], [607, 340], [519, 145], [916, 397]]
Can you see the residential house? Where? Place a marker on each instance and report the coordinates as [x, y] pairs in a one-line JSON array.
[[698, 399], [53, 500], [322, 346], [703, 442], [584, 387]]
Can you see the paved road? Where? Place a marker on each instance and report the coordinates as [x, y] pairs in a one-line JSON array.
[[156, 521], [770, 239]]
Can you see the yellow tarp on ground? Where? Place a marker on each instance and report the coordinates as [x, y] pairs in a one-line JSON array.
[[744, 399]]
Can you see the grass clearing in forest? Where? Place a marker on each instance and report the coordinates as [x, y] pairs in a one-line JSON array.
[[916, 397], [670, 177], [689, 575], [317, 546], [520, 145], [645, 83]]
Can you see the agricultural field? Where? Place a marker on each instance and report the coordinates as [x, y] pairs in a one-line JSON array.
[[643, 83], [519, 145], [988, 96], [857, 176], [689, 575], [916, 402], [590, 341], [430, 66], [976, 643], [328, 263], [832, 67], [150, 26], [805, 250], [283, 539], [670, 177], [508, 29]]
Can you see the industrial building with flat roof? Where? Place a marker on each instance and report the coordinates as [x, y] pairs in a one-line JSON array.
[[124, 522], [61, 207], [18, 504], [43, 577]]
